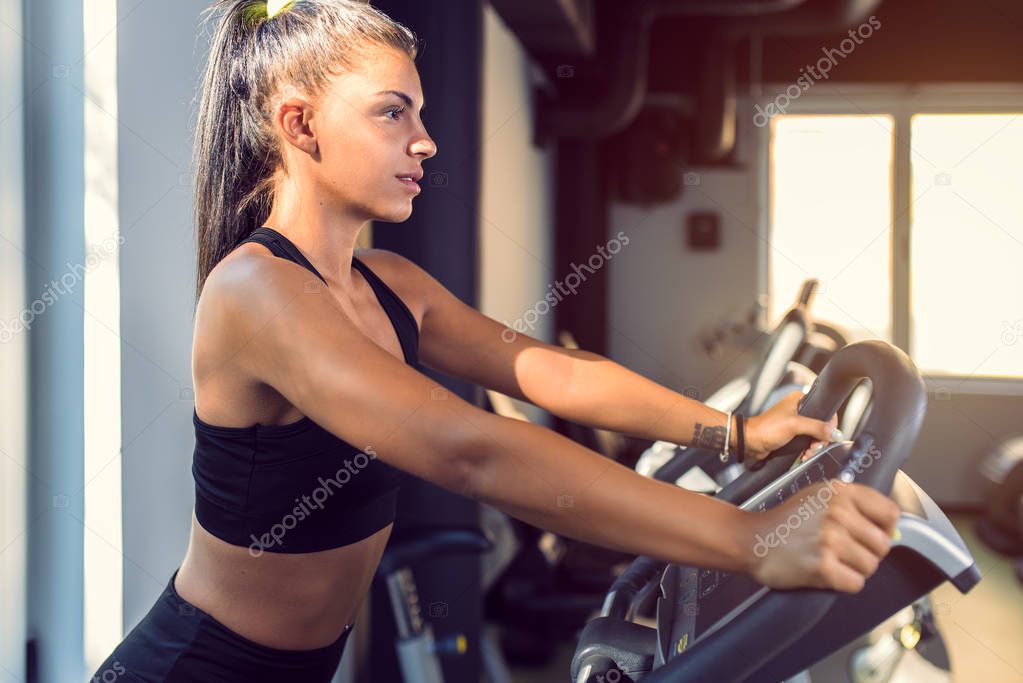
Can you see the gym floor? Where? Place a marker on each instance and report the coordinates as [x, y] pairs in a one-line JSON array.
[[982, 629]]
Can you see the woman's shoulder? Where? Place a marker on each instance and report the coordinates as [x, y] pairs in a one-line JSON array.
[[401, 274], [250, 270]]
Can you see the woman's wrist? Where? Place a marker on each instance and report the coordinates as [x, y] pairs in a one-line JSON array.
[[709, 435], [744, 536], [712, 435]]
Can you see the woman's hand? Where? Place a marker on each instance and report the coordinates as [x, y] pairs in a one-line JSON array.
[[812, 449], [839, 536], [781, 423]]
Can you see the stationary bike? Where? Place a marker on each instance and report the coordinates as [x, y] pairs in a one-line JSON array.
[[716, 626], [910, 639], [541, 595]]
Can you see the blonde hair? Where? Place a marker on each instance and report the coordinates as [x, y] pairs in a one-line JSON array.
[[252, 59]]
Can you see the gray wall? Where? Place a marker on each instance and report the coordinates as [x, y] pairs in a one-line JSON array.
[[158, 73], [663, 296], [516, 224]]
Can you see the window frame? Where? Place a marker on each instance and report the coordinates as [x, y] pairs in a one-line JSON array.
[[14, 352], [902, 102]]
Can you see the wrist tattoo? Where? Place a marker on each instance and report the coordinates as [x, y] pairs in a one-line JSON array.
[[712, 438]]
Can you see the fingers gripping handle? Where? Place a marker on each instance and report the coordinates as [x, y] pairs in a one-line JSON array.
[[900, 403], [894, 423]]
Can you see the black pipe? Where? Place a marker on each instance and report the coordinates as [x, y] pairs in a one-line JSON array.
[[628, 81]]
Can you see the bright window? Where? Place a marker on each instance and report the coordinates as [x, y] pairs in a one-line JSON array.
[[831, 217], [103, 548], [832, 198], [967, 244]]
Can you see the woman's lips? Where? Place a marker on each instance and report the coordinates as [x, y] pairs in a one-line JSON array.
[[409, 183]]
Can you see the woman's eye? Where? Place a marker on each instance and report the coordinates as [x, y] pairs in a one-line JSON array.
[[396, 110]]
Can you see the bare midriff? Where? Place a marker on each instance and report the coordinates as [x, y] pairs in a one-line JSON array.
[[289, 601]]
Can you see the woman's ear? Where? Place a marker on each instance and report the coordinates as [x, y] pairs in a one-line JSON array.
[[292, 118]]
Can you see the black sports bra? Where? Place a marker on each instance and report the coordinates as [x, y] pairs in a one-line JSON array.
[[296, 488]]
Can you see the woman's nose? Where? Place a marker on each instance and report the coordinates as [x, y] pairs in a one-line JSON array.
[[425, 146]]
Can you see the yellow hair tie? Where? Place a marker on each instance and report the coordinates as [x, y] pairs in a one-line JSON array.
[[274, 7], [255, 13]]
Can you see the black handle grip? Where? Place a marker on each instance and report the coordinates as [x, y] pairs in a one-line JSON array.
[[899, 405]]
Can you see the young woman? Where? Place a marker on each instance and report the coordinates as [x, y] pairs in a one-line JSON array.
[[308, 406]]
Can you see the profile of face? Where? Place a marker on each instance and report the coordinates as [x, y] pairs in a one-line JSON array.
[[349, 146]]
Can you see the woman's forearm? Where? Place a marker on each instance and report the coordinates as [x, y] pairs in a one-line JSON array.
[[542, 478], [607, 395]]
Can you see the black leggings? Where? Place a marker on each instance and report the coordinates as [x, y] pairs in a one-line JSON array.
[[176, 642]]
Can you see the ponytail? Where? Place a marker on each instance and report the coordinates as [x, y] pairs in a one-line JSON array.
[[236, 154]]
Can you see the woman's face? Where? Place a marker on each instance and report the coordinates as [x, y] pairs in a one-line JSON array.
[[368, 135]]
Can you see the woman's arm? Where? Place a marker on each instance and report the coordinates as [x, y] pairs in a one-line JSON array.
[[295, 337], [604, 394], [300, 342], [577, 385], [552, 482]]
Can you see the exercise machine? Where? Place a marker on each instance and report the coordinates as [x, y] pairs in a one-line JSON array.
[[1002, 470], [552, 585], [717, 626], [794, 351], [1001, 527], [418, 651]]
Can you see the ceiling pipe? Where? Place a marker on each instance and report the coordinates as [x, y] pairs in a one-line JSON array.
[[628, 81], [719, 8], [716, 106], [716, 113], [813, 17], [622, 102]]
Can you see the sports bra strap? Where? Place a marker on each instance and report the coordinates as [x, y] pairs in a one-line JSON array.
[[374, 281], [281, 247], [402, 319]]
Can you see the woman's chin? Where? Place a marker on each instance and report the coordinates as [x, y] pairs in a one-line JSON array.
[[398, 215]]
